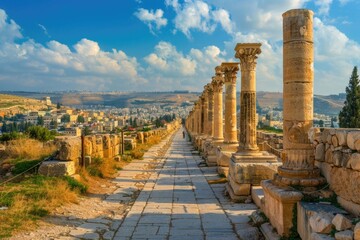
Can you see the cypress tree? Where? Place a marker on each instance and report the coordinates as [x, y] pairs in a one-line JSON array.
[[349, 116]]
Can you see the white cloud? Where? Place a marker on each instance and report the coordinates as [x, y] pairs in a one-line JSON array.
[[199, 16], [33, 66], [151, 18], [324, 6], [9, 30], [87, 47], [44, 30], [171, 69]]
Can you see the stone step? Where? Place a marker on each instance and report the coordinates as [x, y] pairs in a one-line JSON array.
[[268, 231], [257, 195]]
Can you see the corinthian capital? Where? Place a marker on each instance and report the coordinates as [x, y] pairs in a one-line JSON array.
[[208, 88], [230, 70], [247, 53], [217, 83]]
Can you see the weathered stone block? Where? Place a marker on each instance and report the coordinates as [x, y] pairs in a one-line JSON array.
[[70, 150], [317, 236], [341, 222], [306, 210], [357, 231], [341, 136], [354, 161], [349, 206], [320, 152], [352, 137], [344, 181], [252, 173], [279, 204], [344, 235], [321, 222], [57, 168], [337, 158], [334, 141]]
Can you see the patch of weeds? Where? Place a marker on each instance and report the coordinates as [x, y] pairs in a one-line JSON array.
[[75, 184], [332, 232], [22, 166], [95, 168], [127, 158], [355, 221], [117, 167], [222, 175], [38, 211]]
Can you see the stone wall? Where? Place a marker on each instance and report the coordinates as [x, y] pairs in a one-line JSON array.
[[102, 145], [337, 154]]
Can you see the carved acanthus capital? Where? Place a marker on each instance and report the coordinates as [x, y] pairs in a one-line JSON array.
[[208, 88], [247, 53], [218, 71], [217, 83], [230, 70]]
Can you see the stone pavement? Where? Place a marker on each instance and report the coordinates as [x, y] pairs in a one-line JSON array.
[[177, 202]]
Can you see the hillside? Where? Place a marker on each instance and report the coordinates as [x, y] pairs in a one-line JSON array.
[[329, 105], [14, 104]]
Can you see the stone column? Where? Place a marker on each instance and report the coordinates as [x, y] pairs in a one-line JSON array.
[[298, 162], [206, 111], [217, 84], [202, 114], [196, 118], [298, 74], [247, 53], [210, 120], [230, 70]]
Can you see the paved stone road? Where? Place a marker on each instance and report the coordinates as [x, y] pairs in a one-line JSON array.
[[175, 202], [178, 203]]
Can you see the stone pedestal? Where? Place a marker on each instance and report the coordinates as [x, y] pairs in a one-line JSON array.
[[279, 205]]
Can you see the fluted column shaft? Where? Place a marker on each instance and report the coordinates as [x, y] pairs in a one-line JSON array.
[[202, 114], [218, 108], [230, 132], [247, 53], [210, 127]]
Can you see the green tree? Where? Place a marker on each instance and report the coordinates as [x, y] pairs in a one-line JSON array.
[[349, 116], [65, 118], [80, 119], [53, 124], [58, 105], [40, 121], [87, 131], [40, 133]]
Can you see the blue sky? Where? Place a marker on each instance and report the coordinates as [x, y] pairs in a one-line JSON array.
[[161, 45]]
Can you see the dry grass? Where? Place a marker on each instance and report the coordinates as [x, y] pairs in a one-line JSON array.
[[29, 149], [30, 200]]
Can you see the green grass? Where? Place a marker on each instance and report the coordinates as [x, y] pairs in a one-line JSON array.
[[75, 184], [22, 166], [32, 199]]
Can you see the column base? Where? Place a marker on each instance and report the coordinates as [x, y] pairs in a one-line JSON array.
[[223, 171], [211, 160], [295, 177], [245, 170], [236, 195], [279, 205], [254, 157]]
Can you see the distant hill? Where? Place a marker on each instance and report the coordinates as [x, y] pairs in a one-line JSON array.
[[13, 104], [329, 105]]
